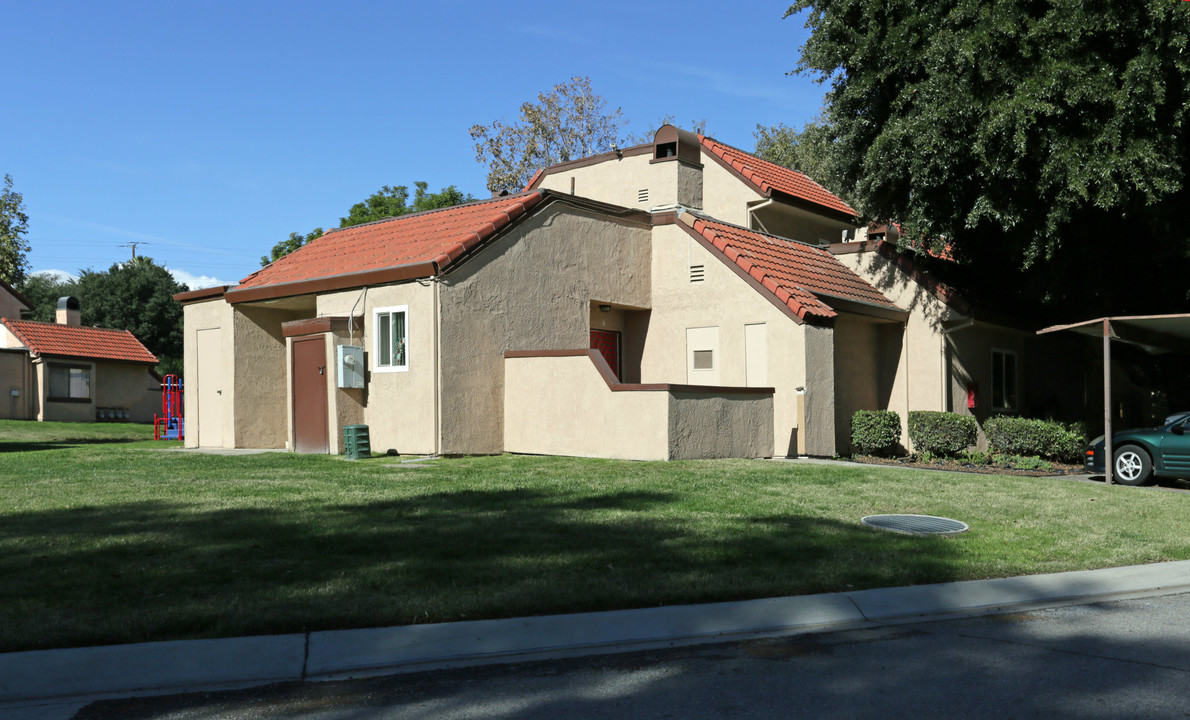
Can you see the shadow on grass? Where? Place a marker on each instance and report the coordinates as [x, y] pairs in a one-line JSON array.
[[168, 570], [61, 443]]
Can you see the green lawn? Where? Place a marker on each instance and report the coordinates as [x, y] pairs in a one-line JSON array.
[[106, 538]]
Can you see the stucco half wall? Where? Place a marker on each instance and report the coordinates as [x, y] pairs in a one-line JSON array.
[[567, 403]]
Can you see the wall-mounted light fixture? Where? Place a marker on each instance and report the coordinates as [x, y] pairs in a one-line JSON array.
[[605, 308]]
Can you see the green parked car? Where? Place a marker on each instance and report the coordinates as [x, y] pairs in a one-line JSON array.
[[1141, 455]]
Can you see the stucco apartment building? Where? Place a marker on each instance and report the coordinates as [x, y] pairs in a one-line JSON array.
[[68, 372], [678, 299]]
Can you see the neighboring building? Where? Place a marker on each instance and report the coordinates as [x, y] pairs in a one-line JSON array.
[[63, 371], [677, 299]]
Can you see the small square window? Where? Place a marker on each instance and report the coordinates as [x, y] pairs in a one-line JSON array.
[[390, 347], [704, 359]]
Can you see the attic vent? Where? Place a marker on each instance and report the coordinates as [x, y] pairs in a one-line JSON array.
[[697, 273], [642, 195]]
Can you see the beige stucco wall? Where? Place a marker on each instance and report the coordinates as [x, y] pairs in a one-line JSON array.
[[797, 224], [726, 301], [917, 383], [399, 408], [563, 406], [15, 376], [711, 425], [617, 182], [121, 385], [10, 307], [210, 315], [725, 196], [260, 372], [970, 360], [531, 290]]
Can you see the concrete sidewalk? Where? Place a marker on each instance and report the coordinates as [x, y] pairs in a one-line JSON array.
[[55, 683]]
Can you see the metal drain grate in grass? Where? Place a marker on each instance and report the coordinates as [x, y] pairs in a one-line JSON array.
[[916, 524]]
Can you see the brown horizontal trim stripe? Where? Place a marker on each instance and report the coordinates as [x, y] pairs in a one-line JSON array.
[[345, 281], [201, 294], [615, 385], [336, 324]]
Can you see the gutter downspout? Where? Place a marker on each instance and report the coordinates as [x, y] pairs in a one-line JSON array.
[[437, 361]]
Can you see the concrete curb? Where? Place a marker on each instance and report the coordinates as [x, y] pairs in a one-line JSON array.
[[172, 667]]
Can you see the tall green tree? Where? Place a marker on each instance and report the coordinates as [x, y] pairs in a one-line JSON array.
[[384, 203], [43, 289], [807, 150], [137, 296], [568, 122], [14, 223], [1048, 135]]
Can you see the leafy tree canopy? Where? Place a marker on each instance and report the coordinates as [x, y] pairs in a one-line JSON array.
[[14, 223], [806, 150], [384, 203], [566, 123], [1020, 133], [137, 296], [43, 289]]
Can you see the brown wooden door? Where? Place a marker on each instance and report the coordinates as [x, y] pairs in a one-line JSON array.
[[309, 395]]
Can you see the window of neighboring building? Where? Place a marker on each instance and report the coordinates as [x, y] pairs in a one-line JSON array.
[[1003, 380], [71, 383], [390, 351]]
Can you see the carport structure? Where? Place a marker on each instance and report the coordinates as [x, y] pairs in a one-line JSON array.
[[1152, 333]]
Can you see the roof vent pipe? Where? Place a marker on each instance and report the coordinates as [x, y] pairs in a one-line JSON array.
[[68, 311]]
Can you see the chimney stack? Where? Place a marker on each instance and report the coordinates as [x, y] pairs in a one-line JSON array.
[[68, 311]]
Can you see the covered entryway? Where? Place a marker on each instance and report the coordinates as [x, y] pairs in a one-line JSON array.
[[310, 395]]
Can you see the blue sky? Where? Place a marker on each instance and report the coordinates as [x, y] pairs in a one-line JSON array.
[[210, 130]]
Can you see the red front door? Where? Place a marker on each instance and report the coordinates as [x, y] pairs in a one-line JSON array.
[[309, 395], [607, 342]]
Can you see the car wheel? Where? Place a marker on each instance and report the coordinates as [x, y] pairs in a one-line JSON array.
[[1132, 466]]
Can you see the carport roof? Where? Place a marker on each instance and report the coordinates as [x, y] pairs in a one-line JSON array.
[[1153, 333]]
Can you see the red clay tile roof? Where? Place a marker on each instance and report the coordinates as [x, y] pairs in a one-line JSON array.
[[43, 338], [438, 236], [766, 176], [799, 275]]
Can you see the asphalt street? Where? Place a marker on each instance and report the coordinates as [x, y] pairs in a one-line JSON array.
[[1121, 659]]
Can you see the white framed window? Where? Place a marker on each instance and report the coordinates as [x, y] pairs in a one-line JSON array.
[[390, 339], [1004, 380]]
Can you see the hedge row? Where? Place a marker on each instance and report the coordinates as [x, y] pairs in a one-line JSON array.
[[1044, 438], [941, 433], [875, 432]]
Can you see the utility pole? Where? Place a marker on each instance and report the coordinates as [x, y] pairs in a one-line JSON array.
[[133, 246]]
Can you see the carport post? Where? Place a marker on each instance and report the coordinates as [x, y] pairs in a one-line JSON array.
[[1107, 448]]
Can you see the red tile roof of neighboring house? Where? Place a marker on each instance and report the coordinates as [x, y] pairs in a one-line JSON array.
[[766, 176], [798, 274], [437, 236], [43, 338]]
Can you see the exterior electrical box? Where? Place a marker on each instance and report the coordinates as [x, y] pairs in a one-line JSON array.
[[350, 361]]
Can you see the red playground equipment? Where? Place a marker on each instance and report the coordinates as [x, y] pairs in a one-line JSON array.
[[171, 425]]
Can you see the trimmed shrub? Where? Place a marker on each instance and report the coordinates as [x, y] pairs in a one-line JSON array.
[[1040, 438], [941, 433], [874, 432]]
